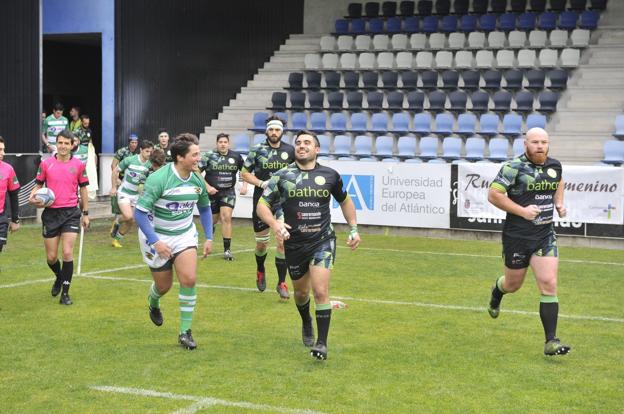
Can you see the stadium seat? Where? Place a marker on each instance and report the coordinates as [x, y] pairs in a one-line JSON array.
[[512, 125], [480, 101], [354, 10], [371, 9], [400, 123], [463, 59], [411, 24], [358, 26], [351, 79], [393, 25], [404, 60], [385, 60], [498, 149], [259, 138], [475, 148], [429, 79], [548, 101], [358, 123], [526, 22], [428, 148], [337, 123], [526, 58], [498, 6], [505, 59], [466, 124], [406, 8], [535, 121], [479, 6], [437, 101], [443, 7], [513, 79], [341, 26], [488, 125], [297, 101], [383, 146], [517, 148], [418, 41], [458, 100], [259, 121], [456, 41], [376, 25], [388, 8], [363, 42], [450, 79], [567, 20], [363, 146], [524, 101], [580, 38], [570, 58], [496, 40], [557, 5], [312, 61], [335, 101], [437, 41], [295, 81], [278, 101], [444, 124], [558, 39], [316, 100], [379, 123], [476, 40], [467, 23], [241, 143], [347, 61], [424, 60], [318, 122], [492, 79], [354, 100], [422, 124], [342, 146], [370, 80], [398, 42], [395, 101], [484, 59], [381, 42], [299, 121], [619, 127], [409, 79], [430, 24], [502, 101], [460, 7], [374, 101], [470, 79], [366, 61], [537, 39], [538, 5], [406, 147], [598, 4], [451, 148], [536, 79], [517, 39], [324, 142], [282, 115], [487, 22], [389, 79], [507, 22], [449, 23], [613, 152], [313, 79], [332, 79], [343, 44], [329, 61], [547, 58], [415, 101], [444, 59], [547, 21]]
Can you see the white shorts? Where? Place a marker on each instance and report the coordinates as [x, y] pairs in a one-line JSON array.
[[123, 198], [177, 244]]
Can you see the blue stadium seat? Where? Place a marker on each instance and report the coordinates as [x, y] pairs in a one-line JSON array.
[[507, 22], [450, 79], [547, 21], [354, 100], [406, 8], [513, 79], [358, 26], [488, 125], [480, 6], [342, 26], [422, 123], [567, 20], [429, 79], [536, 79], [371, 8], [295, 81], [383, 145], [415, 101], [437, 101], [589, 20], [332, 79], [428, 148], [613, 152], [241, 143], [313, 79], [297, 101], [458, 100], [342, 145], [498, 149], [480, 101], [487, 22], [335, 101], [406, 147], [411, 24], [299, 121], [379, 123], [502, 101], [498, 6], [444, 124], [259, 138], [619, 127], [430, 24], [375, 100], [324, 140], [536, 121], [400, 123], [259, 121], [468, 23], [548, 101], [451, 148], [395, 101], [388, 8], [512, 125], [425, 7], [518, 6], [375, 26], [358, 123], [466, 124], [337, 123], [524, 101], [492, 79], [393, 25], [363, 146], [517, 148], [318, 122], [475, 148], [471, 79], [449, 24], [526, 22]]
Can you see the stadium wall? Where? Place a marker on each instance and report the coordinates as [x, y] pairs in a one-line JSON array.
[[179, 62], [20, 99], [321, 15]]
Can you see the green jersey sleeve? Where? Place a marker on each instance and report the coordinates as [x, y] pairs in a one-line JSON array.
[[505, 178], [152, 191]]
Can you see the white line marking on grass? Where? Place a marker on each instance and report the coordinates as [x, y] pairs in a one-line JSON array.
[[199, 402], [27, 282]]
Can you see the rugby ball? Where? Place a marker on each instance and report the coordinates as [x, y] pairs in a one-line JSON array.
[[45, 195]]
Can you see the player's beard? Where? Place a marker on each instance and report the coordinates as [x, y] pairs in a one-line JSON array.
[[273, 139], [537, 157]]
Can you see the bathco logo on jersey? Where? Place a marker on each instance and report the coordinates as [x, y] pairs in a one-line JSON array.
[[361, 189]]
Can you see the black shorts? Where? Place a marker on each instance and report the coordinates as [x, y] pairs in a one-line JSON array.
[[4, 230], [300, 260], [60, 220], [223, 198], [259, 225], [517, 252], [169, 264]]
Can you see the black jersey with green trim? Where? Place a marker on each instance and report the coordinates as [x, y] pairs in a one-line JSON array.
[[527, 183], [304, 196], [221, 170], [264, 160]]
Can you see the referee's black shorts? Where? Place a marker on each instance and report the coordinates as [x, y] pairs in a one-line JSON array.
[[60, 220], [4, 230]]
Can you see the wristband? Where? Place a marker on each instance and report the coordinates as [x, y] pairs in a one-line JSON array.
[[85, 212], [354, 231]]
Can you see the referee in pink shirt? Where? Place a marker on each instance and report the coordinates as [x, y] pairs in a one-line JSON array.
[[8, 185], [64, 175]]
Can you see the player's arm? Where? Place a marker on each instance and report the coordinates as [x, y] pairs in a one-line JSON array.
[[264, 212], [39, 181], [348, 211], [145, 205], [252, 179], [559, 205], [117, 168], [84, 204], [14, 202], [498, 197], [205, 216], [44, 136]]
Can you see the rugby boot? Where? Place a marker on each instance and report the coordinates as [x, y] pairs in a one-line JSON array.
[[65, 299], [282, 289], [555, 347], [494, 305], [319, 351], [260, 281], [227, 255], [186, 340], [115, 243], [56, 287], [307, 334], [156, 316]]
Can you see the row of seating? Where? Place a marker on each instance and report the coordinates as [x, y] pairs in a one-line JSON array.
[[613, 152], [465, 124], [457, 41], [471, 79], [566, 20], [619, 127], [443, 7], [445, 59], [523, 101]]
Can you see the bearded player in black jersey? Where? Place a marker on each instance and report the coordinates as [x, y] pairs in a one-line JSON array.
[[304, 190], [530, 188]]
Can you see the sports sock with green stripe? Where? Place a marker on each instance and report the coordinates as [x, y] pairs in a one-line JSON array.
[[153, 298], [323, 317], [260, 258], [497, 293], [187, 299], [280, 264], [549, 311]]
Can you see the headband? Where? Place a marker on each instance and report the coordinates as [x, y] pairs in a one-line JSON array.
[[275, 123]]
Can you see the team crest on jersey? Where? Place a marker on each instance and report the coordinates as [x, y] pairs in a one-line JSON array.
[[72, 170], [231, 160], [319, 180], [284, 155], [1, 176], [551, 173], [197, 190]]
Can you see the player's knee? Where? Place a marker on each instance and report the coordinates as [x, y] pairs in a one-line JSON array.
[[321, 296], [68, 256], [226, 219], [512, 286]]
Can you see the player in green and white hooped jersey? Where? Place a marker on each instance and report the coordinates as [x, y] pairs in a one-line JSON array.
[[80, 151], [168, 237], [51, 127], [304, 190]]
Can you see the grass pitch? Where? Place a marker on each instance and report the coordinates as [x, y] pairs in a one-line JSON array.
[[415, 338]]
